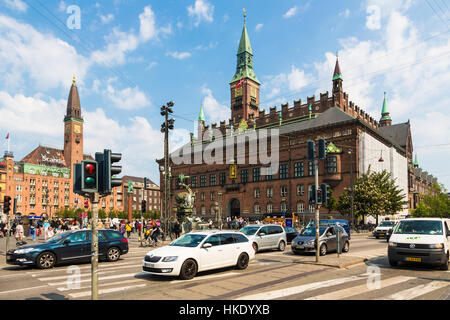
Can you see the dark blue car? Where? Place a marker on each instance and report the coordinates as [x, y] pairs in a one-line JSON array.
[[342, 222], [69, 247]]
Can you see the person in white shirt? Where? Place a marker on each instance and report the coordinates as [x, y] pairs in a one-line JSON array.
[[49, 233]]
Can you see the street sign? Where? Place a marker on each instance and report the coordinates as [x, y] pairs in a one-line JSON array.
[[289, 222]]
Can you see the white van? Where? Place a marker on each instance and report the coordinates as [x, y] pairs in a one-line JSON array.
[[420, 240]]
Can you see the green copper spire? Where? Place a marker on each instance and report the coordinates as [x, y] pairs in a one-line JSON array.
[[244, 67], [385, 112], [201, 116], [416, 163], [337, 70]]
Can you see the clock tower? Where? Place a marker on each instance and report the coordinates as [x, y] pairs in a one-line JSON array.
[[245, 85], [73, 129]]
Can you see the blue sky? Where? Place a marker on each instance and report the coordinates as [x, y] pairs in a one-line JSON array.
[[131, 57]]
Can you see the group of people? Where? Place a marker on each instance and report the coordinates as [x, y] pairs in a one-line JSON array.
[[236, 222]]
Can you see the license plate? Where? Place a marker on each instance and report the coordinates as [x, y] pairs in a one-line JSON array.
[[149, 265], [414, 259]]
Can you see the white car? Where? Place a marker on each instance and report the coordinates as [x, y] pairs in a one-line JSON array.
[[200, 251], [266, 236]]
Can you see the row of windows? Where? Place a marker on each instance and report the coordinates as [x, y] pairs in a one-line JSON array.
[[299, 171], [301, 208]]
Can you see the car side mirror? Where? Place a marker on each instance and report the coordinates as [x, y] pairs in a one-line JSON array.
[[207, 245]]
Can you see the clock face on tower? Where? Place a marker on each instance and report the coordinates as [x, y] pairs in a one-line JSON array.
[[77, 129]]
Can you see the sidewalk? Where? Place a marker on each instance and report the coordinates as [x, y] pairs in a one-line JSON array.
[[330, 260]]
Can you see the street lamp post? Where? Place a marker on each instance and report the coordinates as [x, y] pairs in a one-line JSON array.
[[165, 127], [220, 210], [350, 151]]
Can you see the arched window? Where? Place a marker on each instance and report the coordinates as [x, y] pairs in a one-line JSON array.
[[269, 208], [283, 207], [256, 208], [203, 210]]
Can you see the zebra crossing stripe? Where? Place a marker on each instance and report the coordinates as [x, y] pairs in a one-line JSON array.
[[349, 292], [298, 289], [105, 291], [417, 291]]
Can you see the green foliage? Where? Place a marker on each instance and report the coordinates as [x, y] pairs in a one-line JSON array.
[[375, 193], [433, 204], [101, 214]]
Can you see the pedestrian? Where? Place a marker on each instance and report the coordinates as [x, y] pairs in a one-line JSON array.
[[129, 228], [19, 232], [177, 229], [46, 226], [100, 225], [49, 233], [33, 231], [210, 224]]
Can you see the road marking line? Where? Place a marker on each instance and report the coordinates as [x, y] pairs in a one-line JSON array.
[[270, 295], [206, 277], [105, 291], [100, 285], [128, 275], [349, 292], [67, 276], [29, 288], [417, 291]]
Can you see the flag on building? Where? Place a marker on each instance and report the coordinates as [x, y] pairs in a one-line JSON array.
[[7, 136], [240, 83]]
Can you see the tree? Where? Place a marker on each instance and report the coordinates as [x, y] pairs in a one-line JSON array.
[[375, 193], [331, 203], [433, 204]]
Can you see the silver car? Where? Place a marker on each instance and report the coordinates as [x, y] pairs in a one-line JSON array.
[[305, 242], [266, 236]]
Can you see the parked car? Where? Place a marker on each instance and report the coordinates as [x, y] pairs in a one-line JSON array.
[[266, 236], [306, 241], [291, 234], [200, 251], [383, 228], [69, 247], [420, 240]]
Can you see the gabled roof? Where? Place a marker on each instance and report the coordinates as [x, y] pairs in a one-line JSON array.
[[46, 156], [397, 133]]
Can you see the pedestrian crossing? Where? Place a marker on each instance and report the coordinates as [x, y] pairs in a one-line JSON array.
[[354, 286]]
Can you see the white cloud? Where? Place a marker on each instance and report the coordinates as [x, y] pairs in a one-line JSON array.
[[179, 55], [211, 45], [24, 50], [373, 21], [16, 5], [258, 27], [345, 13], [215, 111], [128, 98], [201, 11], [291, 12], [106, 19]]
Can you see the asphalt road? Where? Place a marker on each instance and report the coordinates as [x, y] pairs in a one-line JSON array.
[[272, 275]]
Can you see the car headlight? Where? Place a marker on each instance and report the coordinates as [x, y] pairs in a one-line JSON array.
[[392, 244], [436, 246], [169, 259], [24, 251]]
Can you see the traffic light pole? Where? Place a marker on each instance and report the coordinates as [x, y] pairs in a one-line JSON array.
[[166, 168], [94, 247], [316, 174], [8, 230]]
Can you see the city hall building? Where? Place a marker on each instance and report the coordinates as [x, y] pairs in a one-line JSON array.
[[355, 142], [42, 182]]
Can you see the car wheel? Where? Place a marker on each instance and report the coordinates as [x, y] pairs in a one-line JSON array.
[[346, 247], [445, 265], [242, 261], [113, 254], [281, 246], [46, 260], [255, 247], [323, 249], [393, 263], [188, 270]]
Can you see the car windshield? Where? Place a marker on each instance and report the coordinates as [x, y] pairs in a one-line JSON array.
[[188, 240], [58, 237], [419, 227], [249, 231], [387, 224], [312, 231]]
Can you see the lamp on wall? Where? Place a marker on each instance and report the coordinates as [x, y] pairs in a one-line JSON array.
[[381, 158]]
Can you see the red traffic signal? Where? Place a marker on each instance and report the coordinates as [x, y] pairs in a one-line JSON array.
[[89, 176], [6, 204]]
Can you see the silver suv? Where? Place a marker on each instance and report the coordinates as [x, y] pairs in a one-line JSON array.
[[266, 236]]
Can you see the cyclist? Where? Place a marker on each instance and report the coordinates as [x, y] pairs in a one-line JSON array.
[[155, 233]]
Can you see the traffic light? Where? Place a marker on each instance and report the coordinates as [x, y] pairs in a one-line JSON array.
[[311, 146], [89, 176], [325, 193], [109, 171], [145, 183], [144, 206], [77, 168], [319, 196], [312, 194], [322, 149], [6, 204]]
